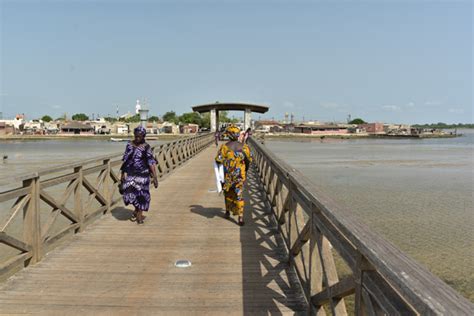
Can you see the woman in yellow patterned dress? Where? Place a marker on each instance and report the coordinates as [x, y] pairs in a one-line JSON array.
[[236, 159]]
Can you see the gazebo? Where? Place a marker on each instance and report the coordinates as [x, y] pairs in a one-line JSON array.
[[214, 109]]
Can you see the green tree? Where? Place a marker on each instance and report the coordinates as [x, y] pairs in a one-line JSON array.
[[62, 118], [224, 117], [170, 116], [191, 117], [153, 118], [357, 121], [110, 119], [206, 120], [133, 119], [441, 125], [46, 118], [80, 117]]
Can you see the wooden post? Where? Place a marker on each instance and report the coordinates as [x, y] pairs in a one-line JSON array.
[[106, 184], [78, 210], [315, 283], [330, 277], [362, 265], [290, 211], [31, 221]]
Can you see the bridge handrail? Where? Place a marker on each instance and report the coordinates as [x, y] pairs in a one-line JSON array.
[[65, 166], [38, 232], [384, 279]]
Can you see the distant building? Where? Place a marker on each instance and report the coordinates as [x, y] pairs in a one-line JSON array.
[[189, 129], [17, 122], [169, 128], [398, 129], [6, 129], [373, 128], [288, 128], [33, 128], [132, 126], [77, 128], [267, 126], [101, 126], [355, 129], [314, 129], [51, 128], [120, 128], [152, 128]]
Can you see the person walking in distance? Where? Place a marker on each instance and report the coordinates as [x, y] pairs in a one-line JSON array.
[[138, 165], [247, 135], [236, 158], [217, 136]]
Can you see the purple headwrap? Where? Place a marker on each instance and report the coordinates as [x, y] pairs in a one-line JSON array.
[[140, 130]]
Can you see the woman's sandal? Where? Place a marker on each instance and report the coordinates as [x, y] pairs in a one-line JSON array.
[[241, 221], [227, 214], [134, 216], [140, 219]]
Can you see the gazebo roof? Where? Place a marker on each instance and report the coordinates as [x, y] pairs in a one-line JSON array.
[[230, 106]]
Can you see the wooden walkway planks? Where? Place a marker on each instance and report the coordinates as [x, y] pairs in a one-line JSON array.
[[117, 267]]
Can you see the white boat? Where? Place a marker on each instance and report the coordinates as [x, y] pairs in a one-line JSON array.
[[117, 139]]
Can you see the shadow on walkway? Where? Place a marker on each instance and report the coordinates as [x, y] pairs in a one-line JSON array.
[[265, 258], [208, 212], [121, 213], [211, 212]]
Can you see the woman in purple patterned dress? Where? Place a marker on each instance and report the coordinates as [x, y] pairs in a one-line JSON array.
[[138, 164]]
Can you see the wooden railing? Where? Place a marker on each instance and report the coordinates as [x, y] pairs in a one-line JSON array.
[[323, 239], [45, 207]]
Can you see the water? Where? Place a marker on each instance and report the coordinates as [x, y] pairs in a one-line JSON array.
[[417, 193]]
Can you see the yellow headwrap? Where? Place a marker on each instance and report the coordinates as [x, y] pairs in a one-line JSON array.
[[232, 132]]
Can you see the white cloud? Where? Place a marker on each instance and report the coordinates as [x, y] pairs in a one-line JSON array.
[[56, 107], [456, 111], [391, 107], [410, 104]]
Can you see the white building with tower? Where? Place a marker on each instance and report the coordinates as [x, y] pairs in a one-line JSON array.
[[138, 107]]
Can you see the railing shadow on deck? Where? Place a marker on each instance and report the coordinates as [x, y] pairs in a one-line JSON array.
[[379, 278], [269, 282], [40, 210]]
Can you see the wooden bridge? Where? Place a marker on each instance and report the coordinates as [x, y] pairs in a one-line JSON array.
[[297, 254]]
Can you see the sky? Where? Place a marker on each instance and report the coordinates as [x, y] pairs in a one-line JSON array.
[[388, 61]]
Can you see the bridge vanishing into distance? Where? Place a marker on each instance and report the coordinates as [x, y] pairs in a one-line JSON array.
[[67, 246]]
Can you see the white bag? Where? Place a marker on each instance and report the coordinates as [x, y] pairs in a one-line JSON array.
[[219, 173]]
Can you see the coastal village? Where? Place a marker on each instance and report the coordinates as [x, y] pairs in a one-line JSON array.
[[123, 125]]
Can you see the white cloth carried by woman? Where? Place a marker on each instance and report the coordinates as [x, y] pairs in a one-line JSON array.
[[219, 172]]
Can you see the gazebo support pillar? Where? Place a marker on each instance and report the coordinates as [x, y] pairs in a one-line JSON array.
[[247, 119], [213, 120]]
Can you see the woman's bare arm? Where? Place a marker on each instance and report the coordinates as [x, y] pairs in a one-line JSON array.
[[154, 175]]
